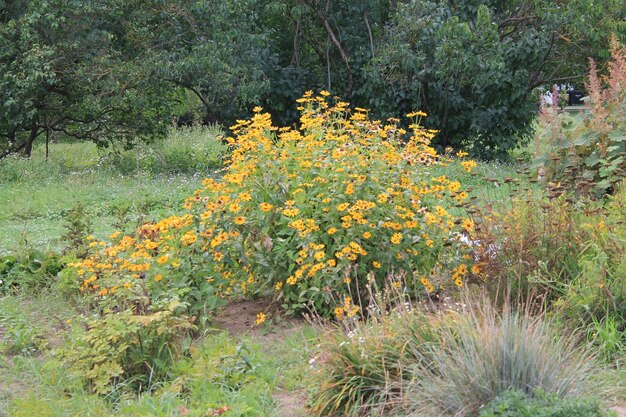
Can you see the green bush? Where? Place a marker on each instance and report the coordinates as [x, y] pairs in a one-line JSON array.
[[28, 269], [129, 349], [516, 403]]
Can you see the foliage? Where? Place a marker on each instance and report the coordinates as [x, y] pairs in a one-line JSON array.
[[531, 244], [78, 230], [485, 353], [364, 368], [28, 270], [596, 298], [519, 404], [17, 335], [312, 213], [567, 253], [587, 154], [140, 348], [117, 72], [451, 364], [71, 69]]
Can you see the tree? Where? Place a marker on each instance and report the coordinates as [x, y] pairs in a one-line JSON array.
[[66, 67], [473, 65]]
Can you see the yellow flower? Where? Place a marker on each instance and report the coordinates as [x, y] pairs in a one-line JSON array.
[[367, 235], [158, 277], [468, 224], [376, 264], [396, 238], [260, 318], [278, 286], [234, 208], [240, 220], [114, 235], [265, 207], [468, 165], [319, 256], [332, 231]]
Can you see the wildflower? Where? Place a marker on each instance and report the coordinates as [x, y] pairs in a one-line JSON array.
[[376, 264], [468, 224], [265, 207], [332, 231], [260, 319], [239, 220], [396, 238], [158, 277], [367, 235]]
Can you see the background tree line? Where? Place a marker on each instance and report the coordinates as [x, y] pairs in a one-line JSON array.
[[119, 71]]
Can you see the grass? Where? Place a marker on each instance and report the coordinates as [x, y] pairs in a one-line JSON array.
[[214, 376], [147, 182]]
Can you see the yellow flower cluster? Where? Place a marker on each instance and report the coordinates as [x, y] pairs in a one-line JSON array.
[[308, 212]]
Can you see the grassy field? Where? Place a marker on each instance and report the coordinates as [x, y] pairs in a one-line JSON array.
[[129, 186]]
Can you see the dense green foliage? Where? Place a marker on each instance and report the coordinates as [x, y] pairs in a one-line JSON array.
[[116, 71], [520, 404]]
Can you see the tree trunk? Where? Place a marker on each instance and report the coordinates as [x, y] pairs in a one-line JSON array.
[[28, 147]]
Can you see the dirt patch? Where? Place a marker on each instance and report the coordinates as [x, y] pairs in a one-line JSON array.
[[239, 319], [620, 410], [291, 404]]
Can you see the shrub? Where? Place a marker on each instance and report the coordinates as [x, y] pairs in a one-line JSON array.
[[531, 245], [313, 214], [452, 364], [519, 404], [124, 346], [587, 153], [28, 269], [570, 254]]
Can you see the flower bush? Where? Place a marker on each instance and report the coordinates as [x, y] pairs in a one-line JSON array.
[[315, 214], [587, 154]]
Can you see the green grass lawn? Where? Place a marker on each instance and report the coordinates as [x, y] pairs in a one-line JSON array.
[[147, 183]]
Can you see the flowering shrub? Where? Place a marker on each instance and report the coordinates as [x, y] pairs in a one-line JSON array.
[[313, 213], [587, 154]]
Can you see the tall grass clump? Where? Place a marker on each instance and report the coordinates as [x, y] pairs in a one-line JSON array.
[[485, 353], [407, 362]]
